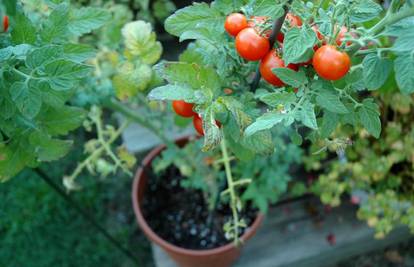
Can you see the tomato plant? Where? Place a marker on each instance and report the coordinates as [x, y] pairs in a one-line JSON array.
[[5, 23], [273, 61]]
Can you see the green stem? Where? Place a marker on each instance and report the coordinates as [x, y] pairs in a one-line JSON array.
[[389, 19], [87, 215], [231, 189]]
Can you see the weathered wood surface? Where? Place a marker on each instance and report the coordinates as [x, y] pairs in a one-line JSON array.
[[291, 237]]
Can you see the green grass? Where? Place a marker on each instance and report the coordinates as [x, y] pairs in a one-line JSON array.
[[39, 229]]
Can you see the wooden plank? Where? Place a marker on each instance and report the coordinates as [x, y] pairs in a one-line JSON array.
[[290, 237]]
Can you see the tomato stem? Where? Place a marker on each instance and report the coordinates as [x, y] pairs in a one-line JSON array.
[[231, 189]]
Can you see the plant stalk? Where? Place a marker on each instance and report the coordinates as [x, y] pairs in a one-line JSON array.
[[231, 188], [86, 215]]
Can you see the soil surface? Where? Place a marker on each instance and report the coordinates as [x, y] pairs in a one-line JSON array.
[[181, 216]]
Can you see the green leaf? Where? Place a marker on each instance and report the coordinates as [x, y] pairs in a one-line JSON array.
[[296, 138], [196, 76], [293, 78], [40, 56], [260, 142], [404, 73], [175, 92], [329, 123], [265, 122], [365, 10], [130, 80], [55, 28], [28, 100], [298, 45], [400, 28], [212, 133], [329, 99], [307, 115], [6, 53], [78, 52], [376, 71], [268, 8], [198, 15], [236, 109], [63, 74], [24, 31], [59, 121], [48, 149], [227, 6], [404, 43], [87, 19], [13, 158], [275, 99], [369, 117]]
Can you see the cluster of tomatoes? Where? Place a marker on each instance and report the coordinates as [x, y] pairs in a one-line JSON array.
[[186, 110], [5, 23], [252, 43]]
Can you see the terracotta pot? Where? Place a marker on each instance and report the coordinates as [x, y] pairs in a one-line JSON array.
[[219, 257]]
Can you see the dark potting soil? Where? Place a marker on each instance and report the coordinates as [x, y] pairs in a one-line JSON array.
[[181, 216]]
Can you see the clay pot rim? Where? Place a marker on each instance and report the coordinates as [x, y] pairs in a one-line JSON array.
[[161, 242]]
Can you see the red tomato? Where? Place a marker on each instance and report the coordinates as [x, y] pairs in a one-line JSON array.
[[280, 37], [183, 108], [293, 20], [272, 61], [5, 23], [330, 63], [250, 45], [198, 124], [235, 23]]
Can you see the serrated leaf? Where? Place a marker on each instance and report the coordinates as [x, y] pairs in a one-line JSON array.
[[23, 31], [259, 142], [5, 53], [236, 109], [196, 76], [376, 71], [298, 45], [365, 10], [212, 133], [275, 99], [307, 115], [173, 92], [329, 123], [198, 15], [268, 8], [264, 122], [48, 149], [55, 29], [293, 78], [40, 56], [369, 117], [78, 52], [87, 19], [404, 73], [130, 80], [404, 43], [227, 6], [329, 100], [63, 74], [59, 121], [12, 160], [28, 100]]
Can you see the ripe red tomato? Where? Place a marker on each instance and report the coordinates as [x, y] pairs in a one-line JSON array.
[[271, 61], [294, 20], [198, 124], [5, 23], [183, 108], [235, 23], [330, 63], [250, 45]]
